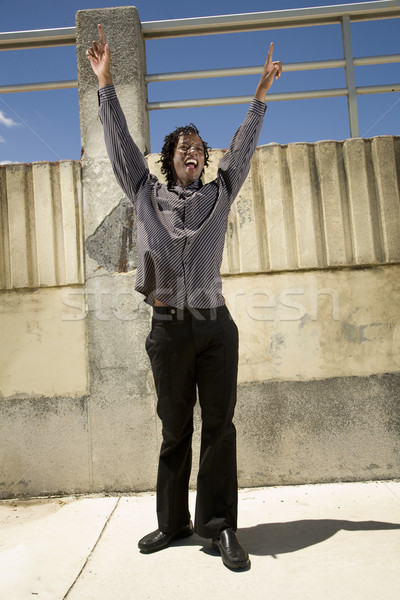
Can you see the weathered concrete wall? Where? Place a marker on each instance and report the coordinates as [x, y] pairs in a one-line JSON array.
[[311, 272], [42, 351], [336, 429], [308, 325], [319, 362], [41, 225], [43, 347]]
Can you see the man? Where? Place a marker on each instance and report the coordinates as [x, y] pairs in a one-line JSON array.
[[193, 341]]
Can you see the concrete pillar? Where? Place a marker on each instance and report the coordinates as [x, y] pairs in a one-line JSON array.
[[128, 65], [122, 427]]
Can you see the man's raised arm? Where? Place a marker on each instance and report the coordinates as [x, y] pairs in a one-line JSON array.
[[235, 164], [128, 163]]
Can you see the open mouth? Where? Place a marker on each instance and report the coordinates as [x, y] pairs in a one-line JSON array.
[[191, 163]]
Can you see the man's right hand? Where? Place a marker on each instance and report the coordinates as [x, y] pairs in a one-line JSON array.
[[99, 57]]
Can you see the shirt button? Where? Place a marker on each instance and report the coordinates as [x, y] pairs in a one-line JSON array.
[[173, 311]]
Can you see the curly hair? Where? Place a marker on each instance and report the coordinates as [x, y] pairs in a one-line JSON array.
[[168, 149]]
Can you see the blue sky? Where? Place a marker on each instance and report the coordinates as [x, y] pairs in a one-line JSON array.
[[38, 126]]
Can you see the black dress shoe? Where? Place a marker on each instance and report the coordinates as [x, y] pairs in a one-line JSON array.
[[157, 540], [233, 555]]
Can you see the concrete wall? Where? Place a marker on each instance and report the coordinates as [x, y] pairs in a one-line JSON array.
[[41, 225], [42, 352], [311, 272]]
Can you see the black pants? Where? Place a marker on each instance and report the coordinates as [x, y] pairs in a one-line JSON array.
[[187, 349]]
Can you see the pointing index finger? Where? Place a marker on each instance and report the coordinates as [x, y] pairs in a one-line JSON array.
[[271, 47], [102, 35]]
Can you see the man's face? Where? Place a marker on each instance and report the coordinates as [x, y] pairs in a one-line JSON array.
[[188, 159]]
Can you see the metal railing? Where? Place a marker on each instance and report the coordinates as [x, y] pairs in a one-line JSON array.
[[342, 15]]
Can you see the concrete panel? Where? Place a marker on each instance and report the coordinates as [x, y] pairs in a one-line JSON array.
[[319, 324], [275, 223], [44, 348], [249, 207], [20, 226], [339, 429], [361, 197], [72, 220], [41, 233], [5, 267], [383, 152], [45, 224], [302, 189], [331, 184], [44, 447]]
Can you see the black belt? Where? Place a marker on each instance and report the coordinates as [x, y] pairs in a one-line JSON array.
[[170, 313]]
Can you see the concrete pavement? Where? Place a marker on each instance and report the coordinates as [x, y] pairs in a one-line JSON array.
[[311, 542]]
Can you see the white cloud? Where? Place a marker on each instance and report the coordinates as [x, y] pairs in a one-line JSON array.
[[6, 162], [7, 121], [2, 140]]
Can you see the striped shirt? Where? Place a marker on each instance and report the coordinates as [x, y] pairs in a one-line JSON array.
[[180, 230]]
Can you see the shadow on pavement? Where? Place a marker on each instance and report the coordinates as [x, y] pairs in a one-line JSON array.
[[270, 539], [280, 538]]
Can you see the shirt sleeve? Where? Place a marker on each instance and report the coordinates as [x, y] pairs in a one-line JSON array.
[[128, 163], [235, 164]]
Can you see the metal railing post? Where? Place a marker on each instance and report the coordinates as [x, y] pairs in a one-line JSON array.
[[350, 77]]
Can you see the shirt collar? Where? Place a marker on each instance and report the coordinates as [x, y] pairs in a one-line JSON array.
[[193, 187]]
